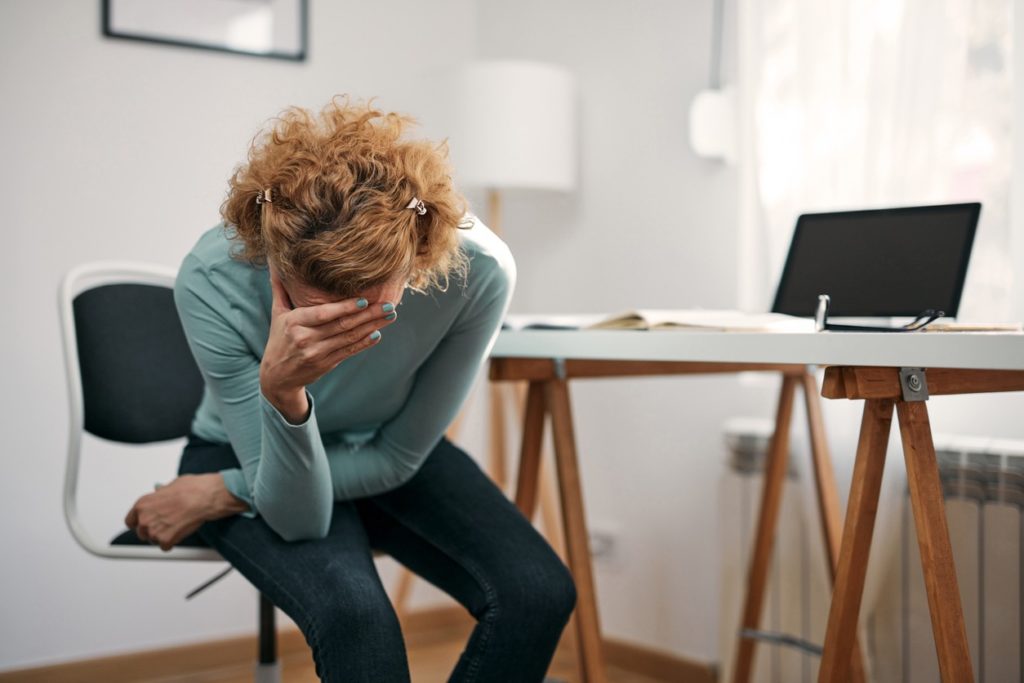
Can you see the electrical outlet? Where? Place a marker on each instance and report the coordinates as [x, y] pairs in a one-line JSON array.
[[603, 541]]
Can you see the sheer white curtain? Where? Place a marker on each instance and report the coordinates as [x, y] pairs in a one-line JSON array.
[[872, 103]]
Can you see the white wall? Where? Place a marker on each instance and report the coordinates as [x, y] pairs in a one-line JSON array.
[[117, 149]]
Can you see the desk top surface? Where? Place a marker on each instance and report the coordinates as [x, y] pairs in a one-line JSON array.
[[978, 350]]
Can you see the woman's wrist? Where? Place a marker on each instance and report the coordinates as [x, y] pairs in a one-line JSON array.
[[221, 502], [291, 403]]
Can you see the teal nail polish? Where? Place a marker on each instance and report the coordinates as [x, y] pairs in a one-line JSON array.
[[362, 303], [387, 308], [391, 316], [375, 335]]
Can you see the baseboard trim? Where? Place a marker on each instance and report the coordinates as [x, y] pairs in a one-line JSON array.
[[181, 660], [420, 627], [657, 664]]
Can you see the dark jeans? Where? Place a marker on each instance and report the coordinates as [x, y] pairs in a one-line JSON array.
[[449, 524]]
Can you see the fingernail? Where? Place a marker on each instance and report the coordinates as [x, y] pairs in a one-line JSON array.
[[375, 335], [387, 308], [361, 303], [391, 316]]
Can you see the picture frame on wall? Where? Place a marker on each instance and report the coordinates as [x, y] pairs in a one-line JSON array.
[[277, 29]]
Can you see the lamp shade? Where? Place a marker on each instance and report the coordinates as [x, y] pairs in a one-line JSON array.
[[514, 126]]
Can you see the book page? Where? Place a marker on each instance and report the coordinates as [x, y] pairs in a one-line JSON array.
[[662, 319], [709, 319], [949, 326], [551, 321]]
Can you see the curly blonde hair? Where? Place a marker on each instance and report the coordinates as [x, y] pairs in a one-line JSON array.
[[339, 186]]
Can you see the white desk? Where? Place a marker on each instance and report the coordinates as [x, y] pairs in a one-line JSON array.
[[860, 366], [982, 350]]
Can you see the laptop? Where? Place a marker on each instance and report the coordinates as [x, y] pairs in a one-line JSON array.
[[879, 263]]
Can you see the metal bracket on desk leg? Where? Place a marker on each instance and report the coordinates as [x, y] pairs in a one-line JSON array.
[[559, 364], [914, 384]]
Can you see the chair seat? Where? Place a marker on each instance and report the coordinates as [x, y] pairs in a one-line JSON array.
[[128, 537]]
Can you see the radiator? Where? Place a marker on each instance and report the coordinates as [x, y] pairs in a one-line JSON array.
[[983, 481], [984, 484]]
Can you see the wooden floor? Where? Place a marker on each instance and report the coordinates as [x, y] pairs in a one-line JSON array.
[[430, 662]]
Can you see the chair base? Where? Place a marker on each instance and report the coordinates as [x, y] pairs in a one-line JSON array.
[[267, 673]]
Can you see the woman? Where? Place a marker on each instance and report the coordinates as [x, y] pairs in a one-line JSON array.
[[320, 435]]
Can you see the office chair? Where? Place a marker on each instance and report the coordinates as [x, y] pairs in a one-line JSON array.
[[132, 379]]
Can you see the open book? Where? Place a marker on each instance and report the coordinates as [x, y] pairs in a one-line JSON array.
[[661, 319], [949, 326]]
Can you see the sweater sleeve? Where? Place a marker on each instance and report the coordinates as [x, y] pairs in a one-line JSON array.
[[441, 385], [285, 475]]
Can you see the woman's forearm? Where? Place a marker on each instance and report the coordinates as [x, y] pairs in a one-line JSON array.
[[290, 481]]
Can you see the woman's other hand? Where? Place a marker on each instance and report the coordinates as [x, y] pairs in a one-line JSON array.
[[172, 512], [306, 343]]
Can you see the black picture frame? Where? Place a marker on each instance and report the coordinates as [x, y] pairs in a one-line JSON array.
[[301, 19]]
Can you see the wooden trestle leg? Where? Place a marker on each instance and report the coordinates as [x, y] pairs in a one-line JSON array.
[[771, 497], [498, 462], [544, 398], [588, 627], [828, 501], [882, 389], [767, 523], [933, 540], [841, 632], [530, 450]]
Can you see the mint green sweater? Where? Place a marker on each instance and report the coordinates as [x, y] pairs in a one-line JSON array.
[[373, 419]]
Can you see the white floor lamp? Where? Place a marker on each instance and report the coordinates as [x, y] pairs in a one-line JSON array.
[[513, 126]]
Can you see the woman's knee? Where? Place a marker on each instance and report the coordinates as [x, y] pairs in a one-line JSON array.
[[359, 602], [337, 609], [561, 590], [541, 592]]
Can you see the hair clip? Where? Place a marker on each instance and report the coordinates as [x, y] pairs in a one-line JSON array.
[[418, 205], [264, 196]]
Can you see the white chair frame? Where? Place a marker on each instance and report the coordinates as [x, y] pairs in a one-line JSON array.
[[80, 279]]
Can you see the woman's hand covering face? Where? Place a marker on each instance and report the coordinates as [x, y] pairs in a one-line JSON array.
[[307, 342]]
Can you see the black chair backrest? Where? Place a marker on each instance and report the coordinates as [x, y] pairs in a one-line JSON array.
[[139, 380]]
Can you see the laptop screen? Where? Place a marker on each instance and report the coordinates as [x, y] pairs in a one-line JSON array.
[[879, 263]]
